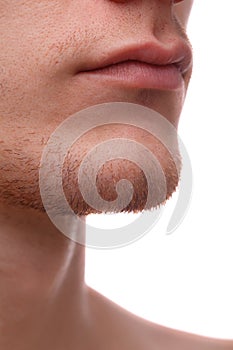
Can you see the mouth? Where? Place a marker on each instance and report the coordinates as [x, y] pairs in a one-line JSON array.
[[150, 65], [138, 74]]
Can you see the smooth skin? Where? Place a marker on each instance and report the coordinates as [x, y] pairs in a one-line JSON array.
[[44, 301]]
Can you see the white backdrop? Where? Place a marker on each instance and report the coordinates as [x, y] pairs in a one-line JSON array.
[[185, 280]]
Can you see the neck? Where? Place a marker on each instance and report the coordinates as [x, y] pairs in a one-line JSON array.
[[43, 296]]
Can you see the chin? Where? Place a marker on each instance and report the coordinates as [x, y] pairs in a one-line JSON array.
[[145, 186]]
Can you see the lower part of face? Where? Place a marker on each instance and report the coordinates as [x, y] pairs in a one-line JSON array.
[[43, 45]]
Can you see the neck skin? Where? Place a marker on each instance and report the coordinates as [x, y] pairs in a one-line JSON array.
[[45, 304], [43, 297]]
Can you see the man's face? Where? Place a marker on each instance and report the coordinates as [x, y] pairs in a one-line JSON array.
[[46, 49]]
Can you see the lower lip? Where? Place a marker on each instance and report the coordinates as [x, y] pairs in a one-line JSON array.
[[140, 75]]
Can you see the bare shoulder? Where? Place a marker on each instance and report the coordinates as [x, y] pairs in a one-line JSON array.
[[123, 330], [184, 340]]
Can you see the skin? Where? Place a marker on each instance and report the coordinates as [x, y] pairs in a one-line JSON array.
[[44, 301]]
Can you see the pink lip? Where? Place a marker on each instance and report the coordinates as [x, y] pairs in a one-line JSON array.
[[148, 65], [140, 75]]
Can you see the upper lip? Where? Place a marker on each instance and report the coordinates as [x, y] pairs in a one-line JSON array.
[[178, 54]]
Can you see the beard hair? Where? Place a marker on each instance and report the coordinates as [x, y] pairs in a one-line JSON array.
[[19, 183]]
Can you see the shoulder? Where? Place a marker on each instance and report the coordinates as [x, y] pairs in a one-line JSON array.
[[118, 327], [173, 338]]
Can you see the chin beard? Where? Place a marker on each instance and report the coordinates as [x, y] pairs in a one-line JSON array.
[[111, 168], [100, 189], [149, 172]]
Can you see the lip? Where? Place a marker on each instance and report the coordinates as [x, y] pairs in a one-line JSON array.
[[140, 75], [149, 65]]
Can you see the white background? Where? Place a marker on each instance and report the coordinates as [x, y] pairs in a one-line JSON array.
[[185, 280]]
